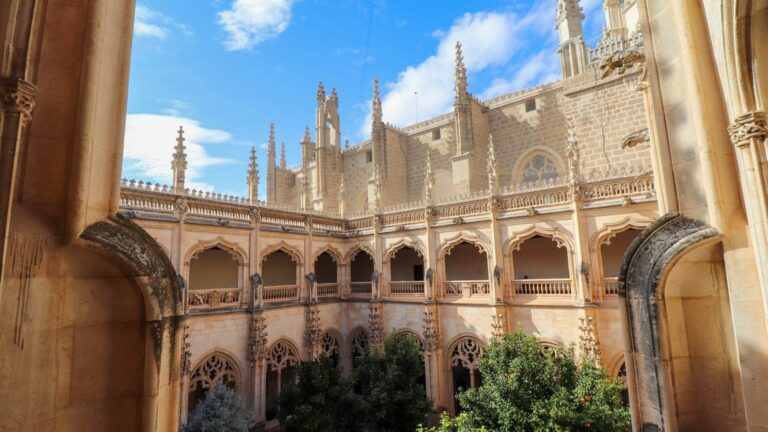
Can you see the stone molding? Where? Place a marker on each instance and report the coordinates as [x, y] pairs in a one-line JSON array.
[[647, 259]]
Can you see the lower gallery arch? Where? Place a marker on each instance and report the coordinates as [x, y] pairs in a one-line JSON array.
[[358, 344], [330, 346], [282, 359], [216, 368], [674, 299], [463, 358]]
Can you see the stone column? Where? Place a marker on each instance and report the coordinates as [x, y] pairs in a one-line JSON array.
[[17, 99], [257, 356], [432, 355]]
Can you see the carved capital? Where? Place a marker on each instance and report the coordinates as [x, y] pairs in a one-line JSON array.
[[18, 96], [621, 62], [749, 126]]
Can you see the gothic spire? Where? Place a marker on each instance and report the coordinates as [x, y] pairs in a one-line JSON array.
[[320, 92], [493, 180], [179, 162], [282, 155], [307, 138], [271, 149], [376, 102], [460, 73], [253, 178]]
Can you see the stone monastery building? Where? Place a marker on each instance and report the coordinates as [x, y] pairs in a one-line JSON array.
[[621, 210]]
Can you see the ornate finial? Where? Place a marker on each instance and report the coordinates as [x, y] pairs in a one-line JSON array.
[[271, 150], [429, 181], [588, 341], [313, 332], [307, 138], [431, 332], [320, 92], [498, 325], [493, 181], [179, 162], [253, 178], [257, 340], [376, 102], [568, 9], [376, 326], [282, 155], [461, 77], [334, 95]]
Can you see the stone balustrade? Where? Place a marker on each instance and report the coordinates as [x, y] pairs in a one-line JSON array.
[[406, 287], [611, 286], [213, 298], [276, 293], [328, 289], [542, 287], [467, 288], [360, 289]]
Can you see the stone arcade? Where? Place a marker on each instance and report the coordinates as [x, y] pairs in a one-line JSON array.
[[621, 210]]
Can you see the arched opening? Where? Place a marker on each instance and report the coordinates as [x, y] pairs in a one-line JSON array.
[[466, 270], [326, 271], [359, 344], [409, 334], [541, 268], [361, 273], [465, 354], [406, 272], [214, 279], [621, 376], [329, 347], [280, 273], [215, 369], [611, 254], [281, 372], [538, 167]]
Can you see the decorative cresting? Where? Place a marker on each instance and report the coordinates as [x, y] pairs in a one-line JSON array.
[[646, 260], [257, 340], [18, 96], [143, 256], [431, 332], [218, 368], [376, 325]]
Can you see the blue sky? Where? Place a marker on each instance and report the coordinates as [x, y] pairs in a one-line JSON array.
[[225, 69]]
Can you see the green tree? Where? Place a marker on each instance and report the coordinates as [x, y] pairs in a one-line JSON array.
[[321, 400], [525, 390], [220, 410], [391, 385]]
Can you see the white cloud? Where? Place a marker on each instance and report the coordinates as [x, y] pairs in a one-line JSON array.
[[149, 142], [538, 68], [251, 22], [153, 24], [489, 39]]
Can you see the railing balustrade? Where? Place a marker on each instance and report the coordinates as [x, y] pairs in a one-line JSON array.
[[543, 287], [328, 289], [213, 298], [407, 287], [611, 286], [360, 289], [467, 288], [281, 292]]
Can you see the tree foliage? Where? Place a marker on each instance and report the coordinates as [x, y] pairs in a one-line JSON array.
[[526, 390], [220, 410], [391, 384], [320, 400]]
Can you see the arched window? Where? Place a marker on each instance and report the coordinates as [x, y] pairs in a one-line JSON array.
[[215, 369], [329, 347], [214, 278], [359, 345], [540, 167], [464, 358], [281, 363]]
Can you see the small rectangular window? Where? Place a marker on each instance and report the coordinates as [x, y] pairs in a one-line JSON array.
[[369, 156], [530, 105], [435, 134]]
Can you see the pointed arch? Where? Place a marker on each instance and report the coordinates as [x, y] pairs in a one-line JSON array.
[[404, 242], [236, 251], [283, 353], [294, 253], [332, 251], [464, 236], [360, 247], [609, 230], [516, 240], [407, 331]]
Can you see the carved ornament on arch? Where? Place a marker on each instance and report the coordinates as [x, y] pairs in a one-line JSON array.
[[232, 248], [604, 235], [282, 354], [517, 239], [463, 237], [530, 153], [216, 367], [356, 249], [404, 243], [294, 253], [332, 251]]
